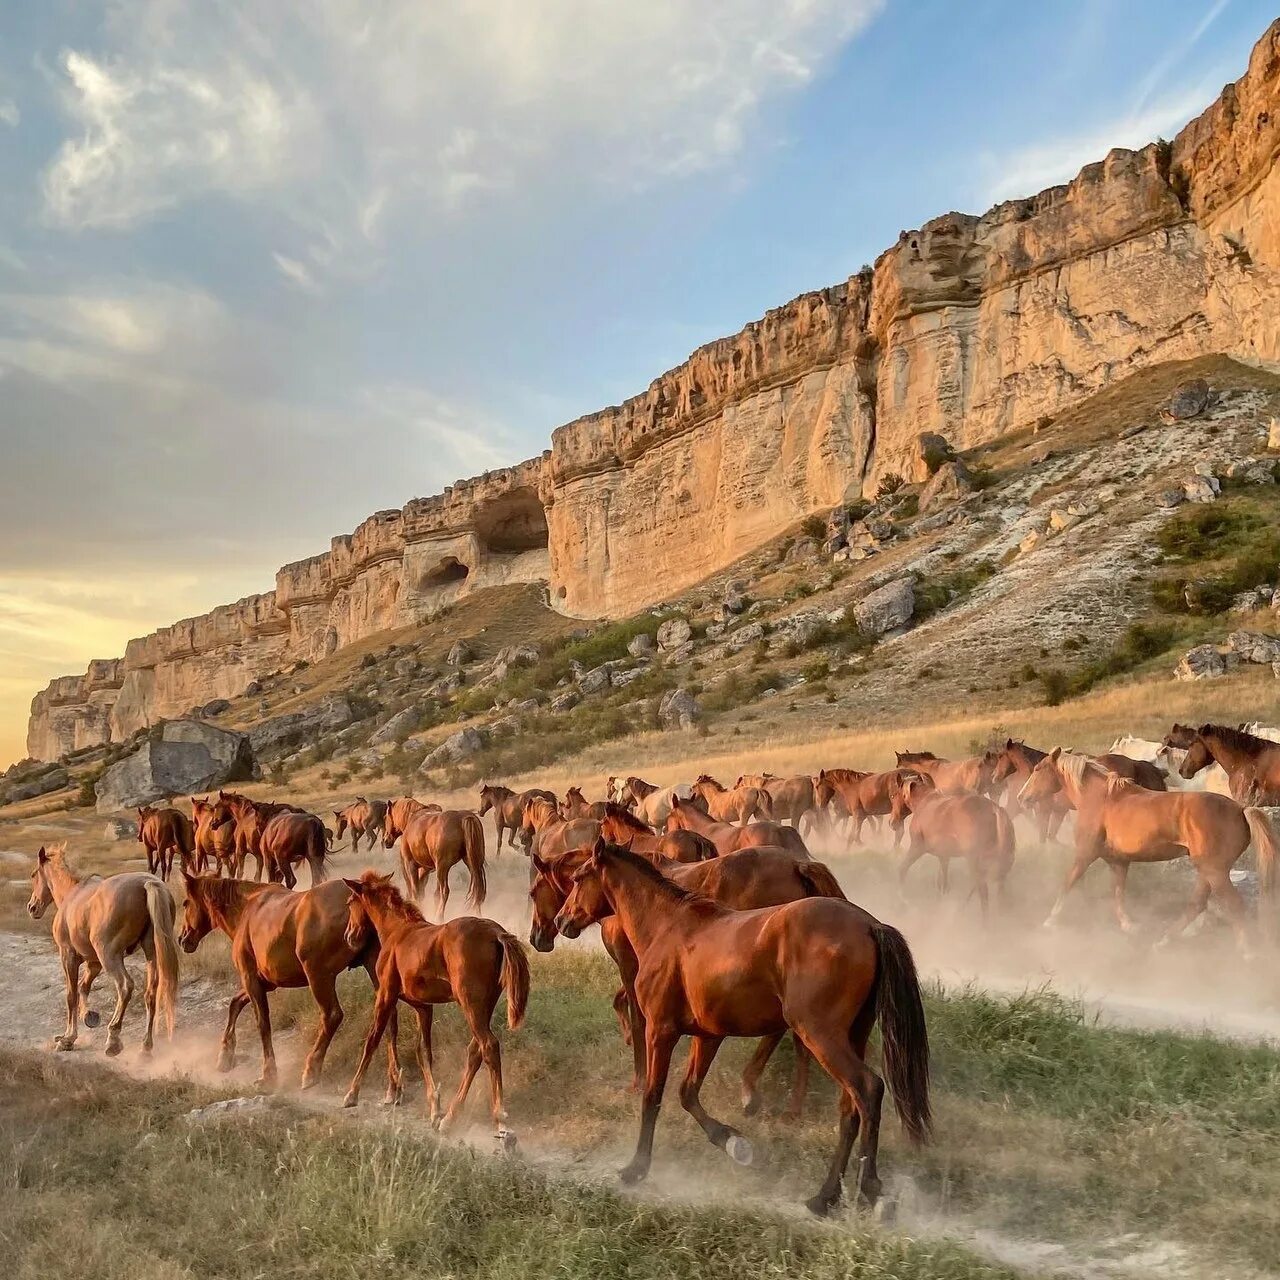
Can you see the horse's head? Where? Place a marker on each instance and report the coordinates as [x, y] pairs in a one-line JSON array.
[[390, 828], [678, 818], [197, 919], [1179, 738], [547, 892], [587, 902], [1006, 761], [823, 788], [486, 799], [41, 886], [339, 823], [906, 793], [1198, 755], [1044, 780]]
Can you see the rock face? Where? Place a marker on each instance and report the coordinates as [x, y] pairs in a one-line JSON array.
[[187, 756], [968, 327], [1204, 662]]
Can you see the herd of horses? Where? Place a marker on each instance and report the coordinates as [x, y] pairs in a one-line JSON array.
[[719, 920]]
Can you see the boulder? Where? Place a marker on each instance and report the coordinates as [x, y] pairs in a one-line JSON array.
[[1273, 434], [597, 679], [1030, 541], [460, 654], [1204, 662], [1254, 646], [457, 746], [734, 600], [1189, 400], [215, 708], [622, 678], [273, 735], [931, 452], [566, 701], [253, 688], [120, 829], [950, 482], [1200, 489], [52, 779], [399, 727], [800, 550], [641, 645], [887, 608], [515, 656], [673, 633], [186, 756], [678, 709], [1169, 498], [405, 666]]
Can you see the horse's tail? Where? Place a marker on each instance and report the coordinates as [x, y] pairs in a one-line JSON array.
[[515, 978], [1005, 839], [903, 1035], [329, 837], [161, 910], [764, 803], [1267, 848], [473, 853], [818, 881], [319, 846]]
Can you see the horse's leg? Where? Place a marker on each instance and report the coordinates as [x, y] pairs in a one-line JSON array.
[[754, 1069], [915, 851], [944, 875], [1194, 909], [800, 1085], [1119, 882], [70, 974], [979, 872], [443, 867], [395, 1077], [729, 1140], [423, 1052], [660, 1041], [622, 1011], [1228, 897], [406, 872], [91, 970], [149, 989], [1087, 854], [227, 1052], [483, 1048], [324, 991], [470, 1068], [113, 965], [383, 1007], [257, 993]]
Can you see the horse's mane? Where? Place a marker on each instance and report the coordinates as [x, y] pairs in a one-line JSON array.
[[626, 817], [1077, 766], [706, 777], [1017, 746], [1237, 739], [912, 756], [389, 896], [678, 893], [845, 775]]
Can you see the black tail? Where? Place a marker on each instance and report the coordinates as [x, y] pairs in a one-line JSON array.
[[903, 1034]]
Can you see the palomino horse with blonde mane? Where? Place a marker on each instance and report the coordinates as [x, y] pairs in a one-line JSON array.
[[686, 816], [282, 939], [1252, 764], [469, 962], [650, 803], [436, 840], [164, 833], [363, 818], [1123, 823], [98, 921], [508, 808], [1014, 763], [739, 805], [748, 879], [967, 826], [821, 967], [621, 826]]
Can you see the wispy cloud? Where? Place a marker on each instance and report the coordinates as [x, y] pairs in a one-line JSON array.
[[9, 113]]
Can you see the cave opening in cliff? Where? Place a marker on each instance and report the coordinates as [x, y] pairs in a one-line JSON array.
[[513, 523], [450, 569]]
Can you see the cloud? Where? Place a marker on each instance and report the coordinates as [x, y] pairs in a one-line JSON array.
[[9, 113], [296, 273]]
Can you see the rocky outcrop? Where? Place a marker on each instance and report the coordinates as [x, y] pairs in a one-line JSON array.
[[184, 757], [968, 327]]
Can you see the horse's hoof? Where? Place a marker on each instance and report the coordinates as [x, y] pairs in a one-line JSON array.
[[751, 1104], [114, 1048], [351, 1100], [739, 1150], [226, 1061], [63, 1044], [394, 1098], [147, 1046], [505, 1140], [819, 1206], [631, 1175], [92, 1018], [885, 1211], [308, 1082]]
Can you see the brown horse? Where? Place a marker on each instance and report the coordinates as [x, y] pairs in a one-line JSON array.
[[436, 840], [621, 826], [790, 799], [686, 816], [1122, 823], [364, 818], [508, 807], [290, 838], [740, 805], [282, 939], [1013, 767], [97, 922], [576, 805], [1143, 772], [820, 967], [250, 818], [862, 796], [163, 833], [468, 961], [215, 842], [1252, 764], [952, 777], [750, 878], [546, 833], [967, 826]]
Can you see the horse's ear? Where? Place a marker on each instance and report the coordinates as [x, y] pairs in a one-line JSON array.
[[1008, 744], [538, 864], [188, 879], [1204, 728], [1055, 753], [42, 857], [597, 849], [354, 885], [898, 754]]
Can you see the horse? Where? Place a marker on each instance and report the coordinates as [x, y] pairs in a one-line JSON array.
[[162, 833], [250, 818], [790, 799], [545, 832], [364, 817], [821, 967], [436, 840], [215, 842], [1252, 764], [750, 878], [621, 826], [686, 816], [468, 961], [1146, 773], [952, 777], [290, 838], [507, 806], [97, 922], [282, 939], [862, 795], [967, 826], [1122, 823], [650, 803], [739, 805], [576, 805], [1013, 767]]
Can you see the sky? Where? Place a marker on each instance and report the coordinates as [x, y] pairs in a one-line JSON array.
[[266, 268]]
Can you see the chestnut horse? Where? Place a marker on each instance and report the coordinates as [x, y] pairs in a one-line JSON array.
[[750, 878], [1252, 764], [862, 795], [1122, 823], [621, 826], [576, 805], [436, 840], [821, 967], [250, 818], [739, 805], [686, 816], [967, 826], [364, 817], [548, 834], [97, 922], [1013, 767], [508, 807], [789, 798], [952, 777], [468, 961], [164, 832], [290, 838], [282, 939], [215, 841]]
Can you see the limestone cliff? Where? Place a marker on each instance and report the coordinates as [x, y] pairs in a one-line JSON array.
[[969, 326]]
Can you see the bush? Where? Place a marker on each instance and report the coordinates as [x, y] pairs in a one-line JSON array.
[[935, 594], [890, 483], [1055, 685], [814, 526]]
